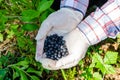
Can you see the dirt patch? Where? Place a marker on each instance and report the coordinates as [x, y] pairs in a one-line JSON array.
[[115, 76]]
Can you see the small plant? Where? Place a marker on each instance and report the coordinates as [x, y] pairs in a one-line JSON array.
[[22, 70], [99, 66], [19, 20]]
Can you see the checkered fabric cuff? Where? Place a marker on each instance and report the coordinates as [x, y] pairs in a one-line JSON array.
[[102, 23], [79, 5]]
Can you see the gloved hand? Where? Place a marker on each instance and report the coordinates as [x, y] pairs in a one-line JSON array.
[[60, 22], [77, 46], [96, 27]]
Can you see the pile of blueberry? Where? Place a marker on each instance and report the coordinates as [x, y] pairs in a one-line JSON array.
[[54, 47]]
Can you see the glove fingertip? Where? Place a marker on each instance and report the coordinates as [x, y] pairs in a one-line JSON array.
[[44, 30], [39, 36], [48, 63]]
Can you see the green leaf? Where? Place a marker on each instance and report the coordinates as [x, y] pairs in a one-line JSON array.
[[98, 63], [1, 37], [44, 5], [10, 33], [14, 26], [1, 66], [3, 19], [28, 15], [4, 60], [1, 0], [97, 76], [118, 36], [110, 57], [44, 16], [97, 58], [51, 78], [23, 63], [21, 42], [34, 78], [31, 70], [21, 72], [109, 69], [15, 75], [2, 73], [23, 76], [30, 27], [101, 67]]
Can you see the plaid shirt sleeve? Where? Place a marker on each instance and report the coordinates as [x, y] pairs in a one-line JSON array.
[[103, 23], [80, 5]]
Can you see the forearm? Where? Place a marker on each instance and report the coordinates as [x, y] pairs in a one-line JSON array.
[[103, 23], [112, 10], [79, 5]]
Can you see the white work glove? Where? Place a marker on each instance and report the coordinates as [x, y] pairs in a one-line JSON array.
[[61, 22], [77, 46]]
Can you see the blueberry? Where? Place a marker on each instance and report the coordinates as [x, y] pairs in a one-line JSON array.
[[63, 42], [54, 47], [63, 53], [56, 51], [59, 55]]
